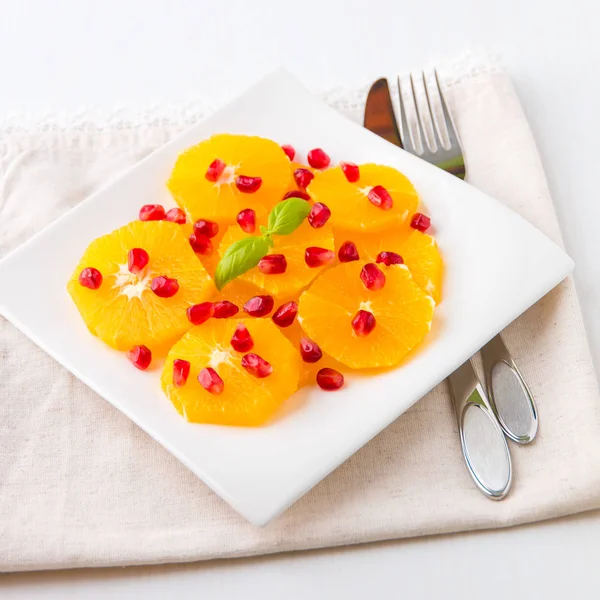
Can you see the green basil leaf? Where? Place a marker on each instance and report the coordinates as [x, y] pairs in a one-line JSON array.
[[240, 257], [287, 216]]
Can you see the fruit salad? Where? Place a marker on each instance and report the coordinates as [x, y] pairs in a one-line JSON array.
[[269, 274]]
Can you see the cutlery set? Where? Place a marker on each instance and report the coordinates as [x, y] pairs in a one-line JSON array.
[[502, 406]]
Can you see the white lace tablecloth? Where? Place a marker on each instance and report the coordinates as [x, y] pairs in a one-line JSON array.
[[81, 485]]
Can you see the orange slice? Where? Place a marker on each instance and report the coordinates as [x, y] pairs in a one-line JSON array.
[[297, 274], [349, 203], [403, 314], [221, 200], [245, 400], [124, 311]]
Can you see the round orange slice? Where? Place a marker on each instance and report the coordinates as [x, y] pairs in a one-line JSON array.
[[245, 399], [381, 197], [402, 312], [124, 311], [207, 178]]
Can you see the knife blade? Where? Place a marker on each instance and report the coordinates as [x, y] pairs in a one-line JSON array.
[[379, 113]]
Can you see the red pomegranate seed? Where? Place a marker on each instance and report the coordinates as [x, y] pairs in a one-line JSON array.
[[289, 150], [310, 350], [90, 278], [246, 219], [206, 228], [152, 212], [317, 257], [164, 287], [363, 322], [140, 357], [181, 372], [176, 215], [272, 264], [420, 222], [215, 169], [296, 194], [256, 365], [303, 177], [259, 306], [224, 309], [380, 197], [199, 313], [137, 259], [319, 215], [248, 185], [318, 158], [285, 315], [351, 171], [241, 340], [389, 258], [372, 276], [201, 244], [209, 379], [330, 379], [348, 252]]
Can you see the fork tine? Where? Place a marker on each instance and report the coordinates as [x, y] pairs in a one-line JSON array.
[[434, 99], [424, 117], [453, 138], [411, 137]]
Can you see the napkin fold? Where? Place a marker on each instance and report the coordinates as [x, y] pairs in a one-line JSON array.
[[82, 486]]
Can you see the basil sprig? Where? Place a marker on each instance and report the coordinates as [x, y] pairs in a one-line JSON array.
[[246, 253]]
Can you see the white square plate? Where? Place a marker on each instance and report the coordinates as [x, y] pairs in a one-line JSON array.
[[497, 265]]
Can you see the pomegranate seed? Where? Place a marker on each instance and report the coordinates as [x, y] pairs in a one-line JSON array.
[[310, 350], [303, 177], [137, 259], [199, 313], [248, 185], [176, 215], [272, 264], [152, 212], [319, 215], [181, 372], [285, 315], [363, 322], [256, 365], [140, 357], [330, 379], [351, 171], [206, 228], [209, 379], [215, 169], [224, 309], [201, 244], [317, 257], [164, 287], [318, 158], [259, 306], [380, 197], [297, 194], [90, 278], [246, 219], [389, 258], [420, 222], [372, 276], [241, 340], [289, 150], [348, 252]]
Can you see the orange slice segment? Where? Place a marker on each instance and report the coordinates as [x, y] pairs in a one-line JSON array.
[[245, 400], [124, 311], [349, 203], [221, 200], [403, 314]]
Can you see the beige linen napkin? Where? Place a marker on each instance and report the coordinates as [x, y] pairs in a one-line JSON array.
[[81, 485]]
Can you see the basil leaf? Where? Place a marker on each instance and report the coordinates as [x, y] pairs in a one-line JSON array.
[[287, 216], [240, 257]]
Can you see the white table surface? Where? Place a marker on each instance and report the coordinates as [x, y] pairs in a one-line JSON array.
[[63, 54]]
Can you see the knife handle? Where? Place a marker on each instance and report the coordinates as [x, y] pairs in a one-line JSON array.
[[508, 394], [483, 443]]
